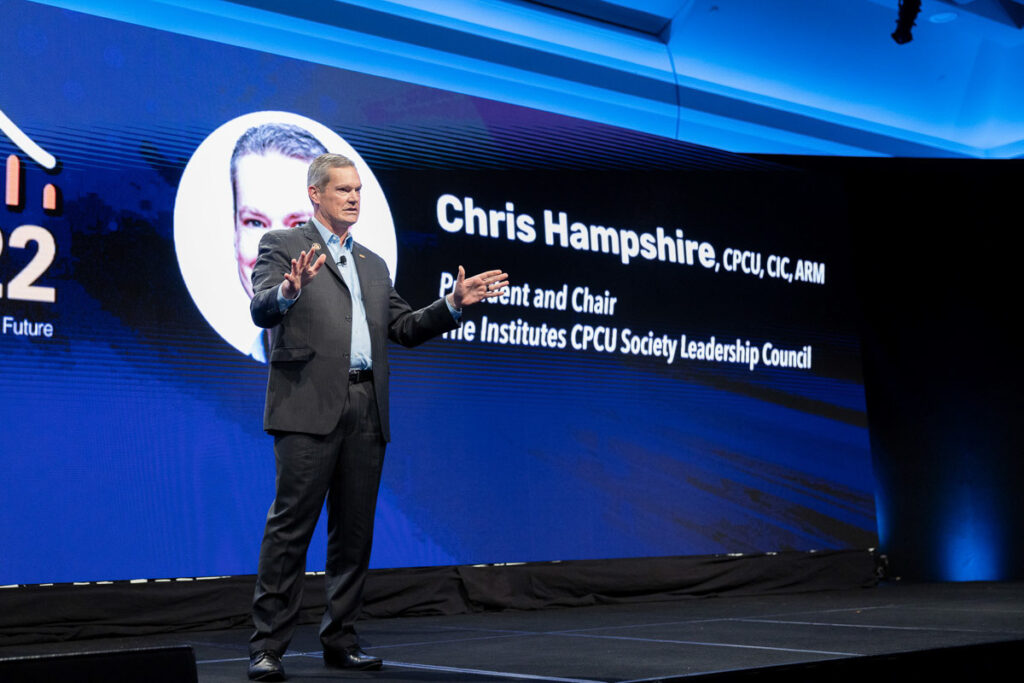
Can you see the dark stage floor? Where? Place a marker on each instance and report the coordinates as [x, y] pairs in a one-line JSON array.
[[637, 642]]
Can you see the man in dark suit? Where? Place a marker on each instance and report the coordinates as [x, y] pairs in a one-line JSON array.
[[327, 407]]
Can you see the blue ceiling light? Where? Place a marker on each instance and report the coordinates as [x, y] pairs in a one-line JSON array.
[[740, 75]]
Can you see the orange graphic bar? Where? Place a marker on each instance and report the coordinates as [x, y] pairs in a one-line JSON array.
[[50, 197], [13, 180]]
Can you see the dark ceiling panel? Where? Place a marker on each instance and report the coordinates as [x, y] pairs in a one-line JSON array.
[[1008, 12], [650, 17]]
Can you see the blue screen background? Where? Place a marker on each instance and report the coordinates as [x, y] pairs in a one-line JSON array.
[[131, 442]]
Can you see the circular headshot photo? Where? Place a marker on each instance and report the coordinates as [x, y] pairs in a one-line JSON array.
[[247, 177]]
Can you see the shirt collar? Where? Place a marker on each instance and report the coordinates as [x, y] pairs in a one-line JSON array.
[[329, 237]]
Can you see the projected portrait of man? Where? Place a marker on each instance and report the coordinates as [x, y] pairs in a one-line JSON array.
[[249, 173], [267, 165], [268, 172]]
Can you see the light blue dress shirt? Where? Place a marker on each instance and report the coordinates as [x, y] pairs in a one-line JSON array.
[[362, 356]]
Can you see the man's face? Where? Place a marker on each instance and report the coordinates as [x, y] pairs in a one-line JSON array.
[[268, 194], [338, 202]]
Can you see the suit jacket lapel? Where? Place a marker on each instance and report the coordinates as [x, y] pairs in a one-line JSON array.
[[363, 271]]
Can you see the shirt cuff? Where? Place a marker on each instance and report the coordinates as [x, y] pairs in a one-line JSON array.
[[456, 312], [284, 303]]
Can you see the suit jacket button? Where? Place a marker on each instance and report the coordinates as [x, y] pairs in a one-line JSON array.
[[348, 318]]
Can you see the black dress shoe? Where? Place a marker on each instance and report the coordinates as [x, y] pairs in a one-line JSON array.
[[352, 658], [265, 665]]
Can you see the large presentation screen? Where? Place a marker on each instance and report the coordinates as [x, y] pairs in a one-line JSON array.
[[675, 369]]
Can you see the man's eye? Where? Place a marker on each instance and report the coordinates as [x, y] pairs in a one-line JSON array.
[[254, 223]]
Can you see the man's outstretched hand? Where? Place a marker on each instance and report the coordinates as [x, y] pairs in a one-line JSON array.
[[469, 290], [303, 270]]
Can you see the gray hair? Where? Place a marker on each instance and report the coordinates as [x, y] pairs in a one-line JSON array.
[[284, 138], [319, 170]]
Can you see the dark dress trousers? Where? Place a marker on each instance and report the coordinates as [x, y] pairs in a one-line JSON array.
[[329, 435]]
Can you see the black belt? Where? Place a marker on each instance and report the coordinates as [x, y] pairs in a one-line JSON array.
[[357, 376]]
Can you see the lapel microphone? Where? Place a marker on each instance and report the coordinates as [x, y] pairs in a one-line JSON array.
[[342, 260]]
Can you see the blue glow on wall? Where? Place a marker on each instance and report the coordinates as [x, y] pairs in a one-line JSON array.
[[971, 545], [971, 552]]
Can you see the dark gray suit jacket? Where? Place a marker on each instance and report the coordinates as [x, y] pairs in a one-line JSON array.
[[310, 344]]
